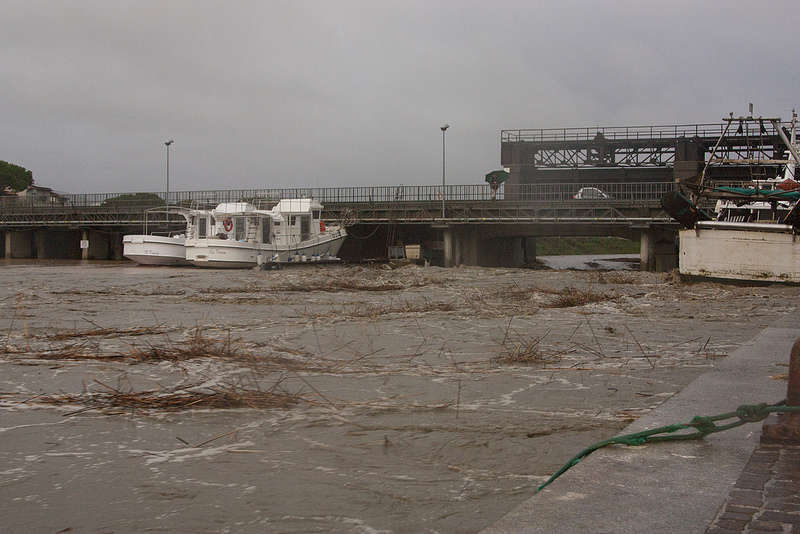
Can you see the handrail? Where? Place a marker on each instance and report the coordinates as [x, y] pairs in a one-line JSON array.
[[400, 194], [663, 131]]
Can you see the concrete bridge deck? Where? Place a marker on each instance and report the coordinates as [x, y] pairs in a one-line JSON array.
[[478, 227], [396, 204]]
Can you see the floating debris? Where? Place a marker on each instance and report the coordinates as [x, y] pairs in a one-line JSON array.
[[217, 397]]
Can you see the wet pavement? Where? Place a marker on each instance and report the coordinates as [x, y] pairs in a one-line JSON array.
[[429, 399]]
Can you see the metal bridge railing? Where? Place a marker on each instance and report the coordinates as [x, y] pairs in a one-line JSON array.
[[265, 198], [674, 131]]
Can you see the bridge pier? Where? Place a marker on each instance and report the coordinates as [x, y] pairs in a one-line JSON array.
[[658, 250], [19, 244], [116, 245], [40, 244], [85, 251], [102, 245], [469, 245], [55, 244]]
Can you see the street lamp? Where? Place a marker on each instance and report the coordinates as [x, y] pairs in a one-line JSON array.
[[167, 143], [444, 128]]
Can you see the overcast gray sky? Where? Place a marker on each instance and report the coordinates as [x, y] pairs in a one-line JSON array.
[[335, 93]]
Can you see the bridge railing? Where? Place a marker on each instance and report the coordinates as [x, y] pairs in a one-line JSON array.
[[265, 198], [673, 131]]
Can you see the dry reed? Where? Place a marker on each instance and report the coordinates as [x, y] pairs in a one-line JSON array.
[[570, 297], [217, 397]]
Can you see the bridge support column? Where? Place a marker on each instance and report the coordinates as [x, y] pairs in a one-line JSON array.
[[85, 251], [508, 251], [115, 245], [19, 244], [658, 250], [460, 246], [473, 246], [7, 247], [529, 247], [40, 244], [100, 245]]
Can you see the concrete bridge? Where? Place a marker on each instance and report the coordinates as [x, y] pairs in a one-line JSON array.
[[470, 224]]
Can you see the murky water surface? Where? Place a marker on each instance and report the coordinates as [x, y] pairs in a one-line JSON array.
[[426, 399]]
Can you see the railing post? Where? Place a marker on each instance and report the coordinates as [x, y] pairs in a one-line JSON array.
[[785, 428]]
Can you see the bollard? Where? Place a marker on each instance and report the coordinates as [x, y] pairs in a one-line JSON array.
[[785, 428], [793, 390]]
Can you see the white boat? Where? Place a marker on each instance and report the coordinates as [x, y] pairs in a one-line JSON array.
[[237, 235], [154, 249], [750, 239]]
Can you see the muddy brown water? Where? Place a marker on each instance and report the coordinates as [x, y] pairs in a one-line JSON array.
[[430, 400]]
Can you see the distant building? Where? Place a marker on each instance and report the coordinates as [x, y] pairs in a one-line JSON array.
[[40, 196]]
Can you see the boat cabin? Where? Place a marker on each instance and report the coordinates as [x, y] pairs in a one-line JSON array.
[[755, 212], [238, 221], [296, 220], [290, 222]]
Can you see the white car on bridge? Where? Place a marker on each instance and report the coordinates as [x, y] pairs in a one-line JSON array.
[[590, 193]]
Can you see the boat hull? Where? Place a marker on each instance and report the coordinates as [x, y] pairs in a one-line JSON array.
[[758, 252], [154, 250], [229, 254]]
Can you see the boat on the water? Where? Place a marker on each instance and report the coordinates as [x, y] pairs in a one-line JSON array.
[[753, 234], [154, 248], [237, 235]]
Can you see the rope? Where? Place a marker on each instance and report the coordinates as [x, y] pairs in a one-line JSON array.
[[703, 426]]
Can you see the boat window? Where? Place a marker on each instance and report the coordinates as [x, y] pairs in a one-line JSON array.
[[276, 223], [239, 230], [315, 214], [292, 220], [265, 230], [305, 227], [202, 228]]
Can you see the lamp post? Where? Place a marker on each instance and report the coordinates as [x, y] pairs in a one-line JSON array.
[[444, 128], [167, 143], [166, 198]]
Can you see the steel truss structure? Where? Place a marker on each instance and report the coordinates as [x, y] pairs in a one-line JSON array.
[[637, 146]]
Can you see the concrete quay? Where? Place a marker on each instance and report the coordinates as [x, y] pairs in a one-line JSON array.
[[725, 483]]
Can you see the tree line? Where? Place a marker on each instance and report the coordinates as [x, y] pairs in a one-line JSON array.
[[13, 176]]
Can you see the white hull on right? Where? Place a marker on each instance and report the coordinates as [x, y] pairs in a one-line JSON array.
[[741, 251]]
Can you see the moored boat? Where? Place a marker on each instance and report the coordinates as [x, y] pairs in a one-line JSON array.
[[154, 249], [754, 235], [237, 235]]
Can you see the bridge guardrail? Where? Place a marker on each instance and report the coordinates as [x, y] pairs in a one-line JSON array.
[[544, 192]]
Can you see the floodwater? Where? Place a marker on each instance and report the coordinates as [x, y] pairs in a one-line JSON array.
[[423, 399], [592, 262]]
